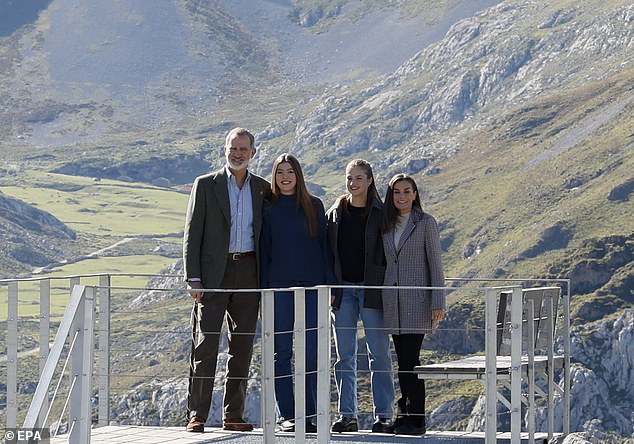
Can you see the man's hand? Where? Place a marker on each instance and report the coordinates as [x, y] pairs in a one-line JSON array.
[[193, 287]]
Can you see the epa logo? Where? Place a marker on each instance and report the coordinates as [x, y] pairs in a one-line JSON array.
[[26, 436]]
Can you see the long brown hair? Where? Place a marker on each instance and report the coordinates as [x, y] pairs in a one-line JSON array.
[[390, 213], [302, 195]]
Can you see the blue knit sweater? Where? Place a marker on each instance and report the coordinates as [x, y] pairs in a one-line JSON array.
[[288, 255]]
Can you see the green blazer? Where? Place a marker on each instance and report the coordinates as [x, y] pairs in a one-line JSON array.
[[208, 224]]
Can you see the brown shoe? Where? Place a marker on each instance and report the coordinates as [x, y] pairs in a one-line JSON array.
[[196, 424], [237, 425]]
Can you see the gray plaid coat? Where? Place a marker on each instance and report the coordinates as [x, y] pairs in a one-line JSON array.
[[415, 261]]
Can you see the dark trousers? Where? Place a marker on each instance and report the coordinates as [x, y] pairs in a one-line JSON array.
[[411, 405], [284, 325], [206, 320]]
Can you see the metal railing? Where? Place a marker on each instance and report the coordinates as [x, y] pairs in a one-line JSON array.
[[81, 323], [516, 346], [323, 365], [78, 325]]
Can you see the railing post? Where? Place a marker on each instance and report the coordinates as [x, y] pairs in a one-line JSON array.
[[490, 350], [72, 283], [323, 365], [45, 318], [299, 348], [87, 365], [81, 369], [41, 391], [551, 307], [516, 365], [530, 334], [12, 356], [104, 351], [268, 367], [566, 371]]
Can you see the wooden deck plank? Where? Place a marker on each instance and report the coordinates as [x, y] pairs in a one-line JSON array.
[[178, 435]]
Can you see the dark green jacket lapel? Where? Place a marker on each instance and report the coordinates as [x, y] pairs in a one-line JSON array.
[[222, 194]]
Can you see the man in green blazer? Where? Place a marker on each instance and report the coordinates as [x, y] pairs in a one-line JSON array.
[[220, 245]]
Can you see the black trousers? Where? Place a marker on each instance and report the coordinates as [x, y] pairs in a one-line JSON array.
[[411, 405]]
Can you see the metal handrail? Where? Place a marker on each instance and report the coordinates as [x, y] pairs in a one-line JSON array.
[[59, 381], [323, 417], [78, 318]]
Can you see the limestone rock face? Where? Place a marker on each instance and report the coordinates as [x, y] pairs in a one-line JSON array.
[[602, 383], [164, 402], [602, 390], [573, 438], [489, 61]]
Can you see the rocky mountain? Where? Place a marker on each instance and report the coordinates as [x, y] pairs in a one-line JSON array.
[[162, 171], [30, 236], [503, 58], [604, 355], [515, 117], [160, 68], [601, 390]]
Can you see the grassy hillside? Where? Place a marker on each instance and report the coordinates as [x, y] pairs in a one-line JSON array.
[[121, 228], [520, 183], [499, 194], [518, 127], [105, 206]]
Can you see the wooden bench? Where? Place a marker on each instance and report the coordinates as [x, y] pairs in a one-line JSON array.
[[519, 346]]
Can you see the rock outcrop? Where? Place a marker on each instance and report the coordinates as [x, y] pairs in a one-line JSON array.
[[602, 383], [490, 61], [161, 171], [30, 237], [603, 379]]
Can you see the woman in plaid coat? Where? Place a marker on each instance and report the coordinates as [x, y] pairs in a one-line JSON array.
[[412, 251]]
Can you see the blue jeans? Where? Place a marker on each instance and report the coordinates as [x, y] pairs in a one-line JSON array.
[[378, 344], [284, 325]]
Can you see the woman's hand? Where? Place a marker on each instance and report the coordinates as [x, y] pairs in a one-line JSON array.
[[437, 316]]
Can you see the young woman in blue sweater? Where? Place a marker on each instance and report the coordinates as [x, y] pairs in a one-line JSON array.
[[294, 252]]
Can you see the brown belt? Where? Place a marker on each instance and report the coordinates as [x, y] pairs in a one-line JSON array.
[[240, 256]]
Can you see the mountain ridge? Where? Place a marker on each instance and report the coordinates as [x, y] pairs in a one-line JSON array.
[[517, 125]]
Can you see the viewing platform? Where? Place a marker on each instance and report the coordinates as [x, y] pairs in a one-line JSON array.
[[177, 435], [109, 341]]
